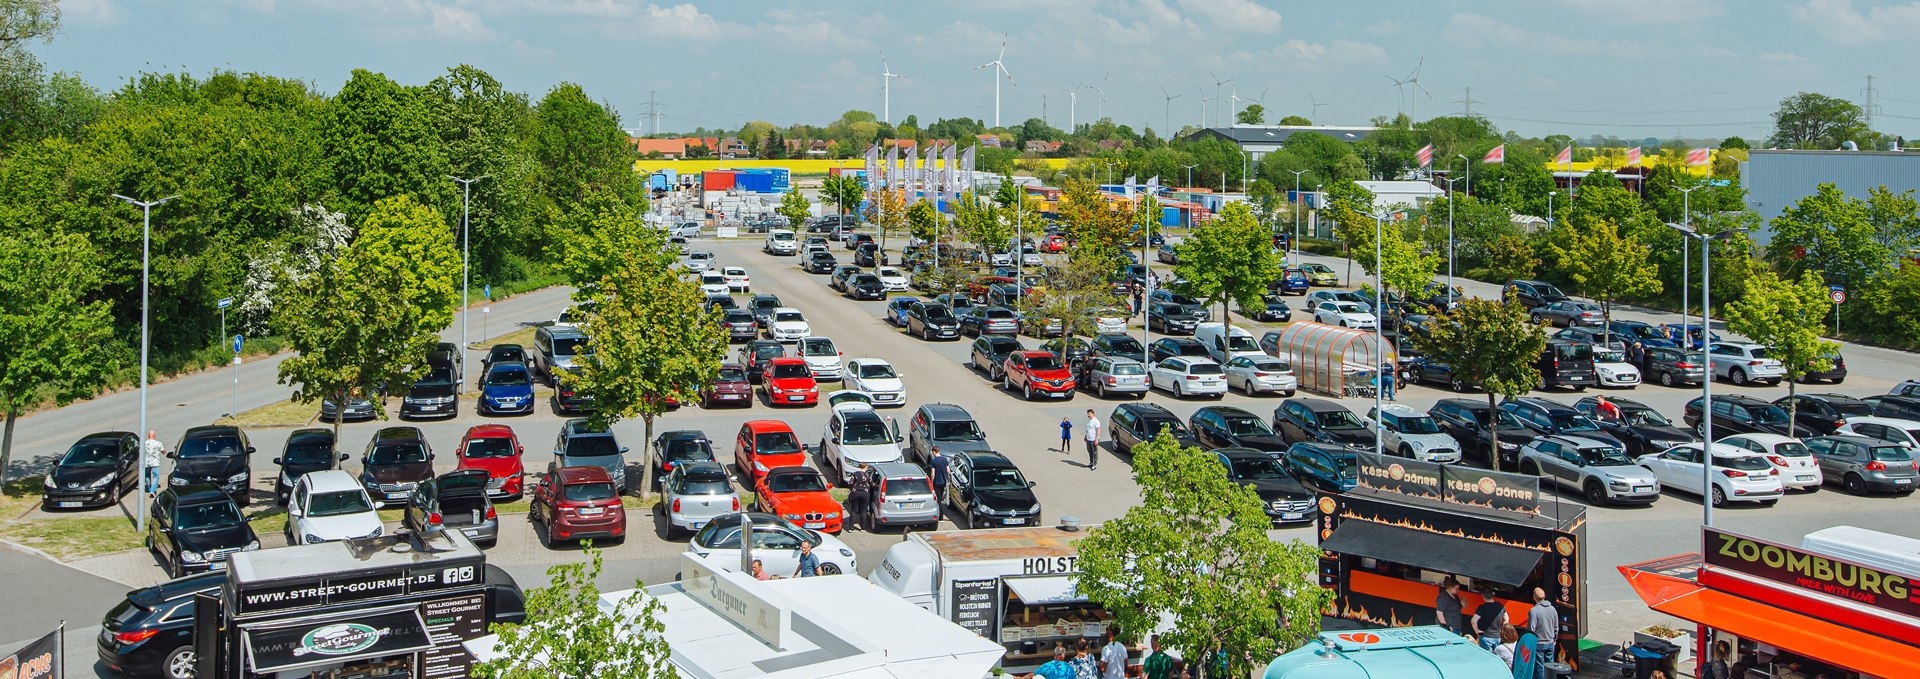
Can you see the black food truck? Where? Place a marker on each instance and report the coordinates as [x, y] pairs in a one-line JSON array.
[[395, 607]]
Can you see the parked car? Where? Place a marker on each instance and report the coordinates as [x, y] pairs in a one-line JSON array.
[[731, 387], [1602, 473], [214, 454], [506, 388], [357, 408], [1865, 465], [504, 353], [1790, 457], [1567, 314], [1320, 274], [787, 324], [1466, 420], [1743, 475], [776, 545], [989, 320], [755, 356], [1640, 429], [1673, 367], [1283, 497], [897, 308], [494, 449], [1271, 309], [1327, 467], [1836, 371], [1261, 374], [456, 500], [1888, 405], [713, 283], [1345, 314], [1037, 372], [990, 354], [1230, 427], [1175, 347], [1170, 319], [1611, 369], [680, 447], [838, 279], [1547, 417], [329, 505], [307, 450], [1688, 336], [96, 471], [1532, 294], [395, 461], [800, 495], [1072, 351], [1737, 414], [694, 493], [903, 496], [819, 261], [763, 445], [1824, 413], [740, 325], [699, 261], [582, 444], [790, 382], [987, 489], [892, 279], [1118, 346], [855, 436], [1131, 424], [1743, 362], [578, 503], [930, 321], [1425, 370], [1891, 430], [1646, 334], [194, 527], [1409, 433], [1106, 376], [864, 286], [821, 356], [1185, 376], [554, 350], [1313, 420], [1292, 282], [945, 425], [762, 307]]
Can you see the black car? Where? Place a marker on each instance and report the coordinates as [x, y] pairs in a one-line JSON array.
[[1272, 309], [838, 279], [1283, 497], [1187, 303], [1737, 414], [1230, 427], [1897, 407], [930, 321], [1532, 294], [568, 398], [1072, 349], [1170, 319], [435, 395], [307, 451], [95, 471], [1169, 347], [1547, 417], [990, 354], [754, 357], [1132, 424], [987, 490], [1118, 346], [1312, 420], [762, 306], [741, 325], [679, 447], [864, 286], [1465, 420], [819, 261], [1642, 429], [394, 463], [866, 254], [503, 353], [1421, 369], [217, 455], [989, 320], [190, 528], [1836, 371], [1824, 413]]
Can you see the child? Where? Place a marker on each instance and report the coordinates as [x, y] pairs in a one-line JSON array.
[[1066, 433]]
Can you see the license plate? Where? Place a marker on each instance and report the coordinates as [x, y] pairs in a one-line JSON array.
[[907, 505], [1643, 489], [815, 525], [1015, 522], [592, 511], [1803, 477], [1292, 516], [1903, 481], [697, 525], [796, 398], [69, 504], [218, 565]]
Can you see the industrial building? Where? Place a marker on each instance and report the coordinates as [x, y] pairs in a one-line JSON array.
[[1776, 179], [1259, 140]]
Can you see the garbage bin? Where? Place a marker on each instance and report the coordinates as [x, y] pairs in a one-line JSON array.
[[1651, 655]]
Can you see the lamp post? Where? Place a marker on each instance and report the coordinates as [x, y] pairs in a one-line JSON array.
[[1246, 163], [1469, 165], [1380, 376], [1706, 382], [1686, 224], [146, 259], [1450, 181], [1297, 203], [1110, 172], [1189, 169], [466, 302]]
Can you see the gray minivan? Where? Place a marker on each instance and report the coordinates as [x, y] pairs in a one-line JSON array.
[[903, 496], [946, 425], [554, 350], [1865, 465]]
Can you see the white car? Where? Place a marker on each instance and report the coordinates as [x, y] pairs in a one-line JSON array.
[[713, 283], [1411, 433], [1110, 321], [878, 380], [1614, 370], [1000, 259], [776, 544], [1739, 474], [1743, 362], [569, 317], [1345, 315], [1030, 257], [695, 492], [737, 279], [787, 324], [330, 505], [1890, 429], [699, 261], [1188, 375], [822, 357], [1261, 374], [891, 279], [1790, 457], [856, 435], [780, 242]]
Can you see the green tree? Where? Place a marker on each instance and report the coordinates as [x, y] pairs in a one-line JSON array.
[[650, 343], [367, 320], [1895, 218], [1299, 121], [1351, 208], [888, 211], [1787, 316], [59, 337], [1492, 345], [843, 191], [1734, 143], [1830, 233], [1230, 259], [379, 138], [795, 208], [1253, 114], [1510, 258], [1809, 120], [923, 221], [571, 632], [1605, 264], [1402, 267], [1196, 551], [978, 223], [482, 128], [607, 229]]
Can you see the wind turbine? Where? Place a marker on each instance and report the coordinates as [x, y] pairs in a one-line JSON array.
[[886, 88], [1413, 78], [1100, 106], [1316, 104], [1166, 111], [1217, 82], [1073, 110], [1203, 107], [1000, 69]]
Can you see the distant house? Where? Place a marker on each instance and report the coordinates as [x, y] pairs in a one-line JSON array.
[[732, 147], [667, 148], [1111, 144], [818, 149], [1043, 146], [991, 141], [1259, 140], [904, 144]]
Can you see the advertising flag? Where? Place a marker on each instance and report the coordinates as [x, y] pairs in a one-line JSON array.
[[893, 160], [1127, 187], [950, 178], [1565, 157], [42, 659], [1633, 157], [926, 175], [1699, 156], [966, 168], [872, 165], [1426, 156], [1496, 156]]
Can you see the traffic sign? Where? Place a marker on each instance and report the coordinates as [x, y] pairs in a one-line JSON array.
[[1837, 295], [224, 302], [488, 291], [236, 344]]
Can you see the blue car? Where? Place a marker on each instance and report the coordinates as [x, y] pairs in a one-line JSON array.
[[506, 388], [1688, 334], [1328, 467], [1645, 333], [897, 310], [1293, 282]]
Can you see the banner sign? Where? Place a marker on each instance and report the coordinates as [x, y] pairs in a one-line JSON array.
[[1409, 477], [1456, 484], [1806, 570], [38, 660], [352, 587]]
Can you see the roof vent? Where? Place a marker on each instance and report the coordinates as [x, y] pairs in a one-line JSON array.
[[1070, 524]]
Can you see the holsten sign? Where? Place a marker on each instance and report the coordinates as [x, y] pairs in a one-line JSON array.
[[1867, 585]]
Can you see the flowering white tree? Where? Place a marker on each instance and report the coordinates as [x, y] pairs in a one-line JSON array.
[[317, 236]]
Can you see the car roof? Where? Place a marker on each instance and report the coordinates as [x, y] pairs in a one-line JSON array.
[[199, 493], [1581, 441], [1401, 409], [1856, 438], [399, 435], [331, 480], [1243, 453], [309, 435], [785, 308], [1541, 402], [1146, 409], [786, 360], [985, 458], [678, 434], [584, 475], [792, 470], [212, 431], [710, 466], [1228, 411], [1768, 439], [564, 331], [581, 426], [506, 365], [1323, 447], [116, 435], [1835, 397], [766, 426], [489, 431], [945, 412], [896, 470], [1320, 405]]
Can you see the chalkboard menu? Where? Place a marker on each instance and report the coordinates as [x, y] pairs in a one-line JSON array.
[[976, 606], [451, 621]]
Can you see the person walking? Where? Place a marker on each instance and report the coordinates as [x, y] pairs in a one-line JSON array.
[[152, 451], [1606, 409], [937, 468], [1488, 618], [760, 571], [1066, 433], [809, 564], [1544, 620], [1113, 656], [860, 497], [1157, 664], [1447, 606], [1637, 354], [1093, 440]]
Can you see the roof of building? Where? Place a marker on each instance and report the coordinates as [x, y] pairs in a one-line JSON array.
[[661, 146], [1278, 134]]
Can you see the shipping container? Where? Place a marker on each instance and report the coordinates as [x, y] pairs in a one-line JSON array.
[[718, 180]]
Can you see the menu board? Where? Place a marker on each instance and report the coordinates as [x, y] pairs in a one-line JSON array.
[[451, 621], [976, 606]]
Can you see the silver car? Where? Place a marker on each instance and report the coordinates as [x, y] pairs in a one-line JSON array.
[[1115, 375], [904, 496], [1600, 470], [1411, 433], [1255, 374], [694, 493]]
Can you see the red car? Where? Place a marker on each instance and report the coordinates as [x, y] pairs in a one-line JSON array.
[[764, 445], [1037, 372], [731, 387], [493, 447], [799, 495], [578, 503], [1055, 243], [789, 381]]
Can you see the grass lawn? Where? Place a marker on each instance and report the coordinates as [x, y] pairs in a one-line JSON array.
[[75, 537], [522, 337], [279, 414]]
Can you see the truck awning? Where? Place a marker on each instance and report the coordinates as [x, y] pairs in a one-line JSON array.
[[325, 639], [1055, 589], [1476, 559]]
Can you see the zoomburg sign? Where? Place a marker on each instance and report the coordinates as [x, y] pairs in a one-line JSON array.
[[1890, 592]]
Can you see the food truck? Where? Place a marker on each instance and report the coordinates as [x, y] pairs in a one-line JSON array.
[[1388, 544], [1428, 652], [1010, 585], [394, 607]]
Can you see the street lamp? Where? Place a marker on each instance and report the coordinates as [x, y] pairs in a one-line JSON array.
[[466, 302], [1297, 203], [1706, 383], [1190, 175], [1686, 222], [146, 258], [1110, 165], [1450, 181], [1469, 165], [1380, 376], [1246, 164]]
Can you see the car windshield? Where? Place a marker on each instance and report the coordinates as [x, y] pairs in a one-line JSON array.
[[687, 449], [1043, 362], [1572, 422], [1127, 368], [1891, 454], [739, 316], [1204, 369], [1349, 307], [864, 432], [1241, 343], [935, 311], [1256, 468], [1269, 366], [592, 446], [1792, 449], [568, 346], [437, 374], [712, 277], [703, 483], [488, 447], [776, 443], [209, 446], [308, 452], [1546, 290], [1248, 426], [1641, 332], [913, 485], [1769, 415], [1340, 419], [587, 492], [769, 351], [817, 347], [876, 371], [1153, 425], [502, 354], [866, 279], [338, 503], [1347, 463], [766, 303], [1743, 462], [1573, 351], [508, 377], [961, 430], [796, 483], [398, 453], [207, 515], [1006, 478], [1758, 352], [1124, 345], [91, 454], [1605, 456], [997, 313], [1418, 424], [732, 375], [1646, 417], [787, 371], [788, 317]]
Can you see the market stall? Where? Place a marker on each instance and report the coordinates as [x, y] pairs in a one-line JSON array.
[[1333, 360], [1388, 544], [1842, 603]]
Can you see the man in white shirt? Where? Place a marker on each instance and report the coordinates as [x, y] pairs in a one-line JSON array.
[[152, 452], [1093, 441], [1113, 656]]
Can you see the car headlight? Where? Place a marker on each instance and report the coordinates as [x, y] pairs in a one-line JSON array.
[[252, 546], [191, 556], [377, 530], [285, 480], [311, 539], [778, 390], [846, 552], [99, 482], [176, 481], [833, 515], [237, 478], [757, 466], [47, 482], [1035, 509], [790, 517], [1617, 484], [1509, 446]]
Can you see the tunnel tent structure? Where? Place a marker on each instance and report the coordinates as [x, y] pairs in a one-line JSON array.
[[1333, 360]]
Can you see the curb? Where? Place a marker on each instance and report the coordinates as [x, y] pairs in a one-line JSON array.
[[23, 548]]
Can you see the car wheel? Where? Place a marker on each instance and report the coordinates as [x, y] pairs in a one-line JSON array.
[[1737, 376], [1719, 497], [181, 663], [829, 569], [1529, 469], [1026, 391], [1856, 485], [1179, 391], [1666, 378], [1596, 494]]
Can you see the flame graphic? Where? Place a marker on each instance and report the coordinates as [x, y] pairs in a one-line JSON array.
[[1425, 527], [1357, 612]]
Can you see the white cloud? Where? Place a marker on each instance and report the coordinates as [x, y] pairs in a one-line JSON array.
[[1650, 11], [679, 21], [1235, 15], [1782, 57], [400, 20], [1295, 50], [1475, 31], [91, 11], [1840, 21]]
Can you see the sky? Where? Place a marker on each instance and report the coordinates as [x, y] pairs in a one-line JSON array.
[[1632, 68]]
